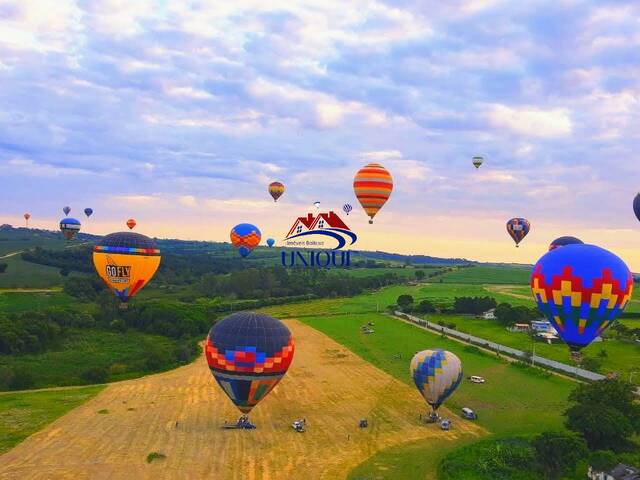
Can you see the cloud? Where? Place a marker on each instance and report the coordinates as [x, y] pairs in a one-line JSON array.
[[531, 121]]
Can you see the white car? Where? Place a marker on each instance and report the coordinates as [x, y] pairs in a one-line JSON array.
[[476, 379]]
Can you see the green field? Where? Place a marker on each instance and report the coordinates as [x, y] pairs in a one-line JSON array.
[[83, 349], [13, 302], [24, 413], [485, 274], [21, 274]]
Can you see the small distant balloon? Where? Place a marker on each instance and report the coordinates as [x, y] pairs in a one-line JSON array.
[[66, 210], [270, 242], [88, 212], [27, 216], [69, 227], [562, 241], [317, 205], [131, 223], [347, 208], [636, 206], [518, 228], [477, 161], [245, 237], [372, 185], [276, 189]]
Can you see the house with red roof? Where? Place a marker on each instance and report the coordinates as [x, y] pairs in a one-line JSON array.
[[320, 222]]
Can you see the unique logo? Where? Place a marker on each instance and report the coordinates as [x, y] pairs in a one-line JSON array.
[[118, 273], [326, 231]]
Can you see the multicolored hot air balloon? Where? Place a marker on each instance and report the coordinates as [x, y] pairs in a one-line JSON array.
[[636, 206], [436, 373], [245, 237], [346, 208], [270, 242], [126, 262], [248, 354], [581, 289], [518, 228], [27, 216], [372, 185], [276, 189], [477, 161], [66, 210], [88, 212], [562, 241], [131, 223], [69, 227]]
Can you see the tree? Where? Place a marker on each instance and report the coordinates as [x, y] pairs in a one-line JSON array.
[[3, 267], [95, 375], [591, 364], [605, 414], [559, 453], [404, 301], [425, 306], [420, 275], [603, 460]]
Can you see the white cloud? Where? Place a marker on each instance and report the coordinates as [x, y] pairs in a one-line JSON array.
[[531, 121], [188, 201]]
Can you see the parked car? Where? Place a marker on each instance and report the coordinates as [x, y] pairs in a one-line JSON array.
[[469, 414], [476, 379], [445, 424]]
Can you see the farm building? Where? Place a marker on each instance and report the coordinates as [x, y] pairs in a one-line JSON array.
[[620, 472], [489, 314], [519, 327], [542, 326]]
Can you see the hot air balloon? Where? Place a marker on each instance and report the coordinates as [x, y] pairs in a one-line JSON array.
[[271, 242], [248, 354], [66, 210], [27, 216], [317, 205], [636, 206], [126, 262], [88, 212], [69, 227], [276, 189], [562, 241], [373, 185], [581, 289], [131, 223], [245, 237], [436, 373], [477, 161], [518, 228], [347, 208]]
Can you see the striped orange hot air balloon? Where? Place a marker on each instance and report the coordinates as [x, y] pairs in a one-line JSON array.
[[276, 189], [372, 185]]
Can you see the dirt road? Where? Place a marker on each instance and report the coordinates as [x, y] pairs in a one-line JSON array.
[[327, 384]]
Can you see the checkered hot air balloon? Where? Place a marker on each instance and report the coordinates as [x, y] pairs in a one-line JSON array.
[[248, 354], [245, 237], [518, 228], [436, 373], [276, 189], [372, 185], [581, 289], [69, 227]]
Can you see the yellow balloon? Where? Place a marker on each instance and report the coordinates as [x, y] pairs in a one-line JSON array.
[[126, 262]]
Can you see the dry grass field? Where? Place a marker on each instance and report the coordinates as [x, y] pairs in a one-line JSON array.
[[110, 436]]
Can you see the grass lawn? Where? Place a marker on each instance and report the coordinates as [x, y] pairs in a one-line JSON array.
[[21, 274], [486, 274], [24, 413], [83, 349], [12, 302]]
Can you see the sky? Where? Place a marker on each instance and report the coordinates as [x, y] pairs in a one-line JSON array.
[[179, 114]]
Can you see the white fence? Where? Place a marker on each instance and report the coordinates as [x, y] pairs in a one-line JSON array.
[[496, 347]]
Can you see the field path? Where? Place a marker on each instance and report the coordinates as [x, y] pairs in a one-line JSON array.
[[12, 254], [327, 384]]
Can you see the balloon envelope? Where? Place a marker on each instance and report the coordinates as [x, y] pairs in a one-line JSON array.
[[636, 206], [248, 354], [276, 189], [372, 185], [563, 241], [581, 289], [477, 161], [27, 216], [126, 262], [518, 228], [271, 242], [69, 227], [245, 237], [66, 210], [88, 211], [347, 208], [436, 373], [131, 223]]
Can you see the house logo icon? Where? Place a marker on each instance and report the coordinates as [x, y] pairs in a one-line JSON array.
[[326, 230]]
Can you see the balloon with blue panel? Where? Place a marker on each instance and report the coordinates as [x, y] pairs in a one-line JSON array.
[[436, 373], [248, 354], [245, 237], [564, 241], [126, 262], [581, 289], [69, 227]]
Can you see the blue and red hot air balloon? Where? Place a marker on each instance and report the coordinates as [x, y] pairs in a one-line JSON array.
[[563, 241], [69, 227], [518, 228], [248, 354], [581, 289], [245, 237]]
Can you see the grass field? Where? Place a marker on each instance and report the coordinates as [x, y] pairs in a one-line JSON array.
[[111, 435], [21, 274], [12, 302], [83, 349], [24, 413], [481, 274]]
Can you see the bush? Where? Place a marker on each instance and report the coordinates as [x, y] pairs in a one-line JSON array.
[[155, 360], [95, 375], [117, 369], [155, 456], [3, 267], [21, 379], [603, 460]]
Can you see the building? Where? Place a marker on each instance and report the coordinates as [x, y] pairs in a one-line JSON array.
[[322, 221], [520, 327], [620, 472], [547, 337], [542, 326], [489, 314]]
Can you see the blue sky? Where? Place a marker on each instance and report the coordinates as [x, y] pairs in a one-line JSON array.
[[180, 113]]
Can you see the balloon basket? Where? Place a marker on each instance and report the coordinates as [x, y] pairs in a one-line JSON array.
[[243, 423], [371, 221]]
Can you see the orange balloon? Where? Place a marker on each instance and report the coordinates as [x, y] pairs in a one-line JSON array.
[[131, 223], [372, 185]]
